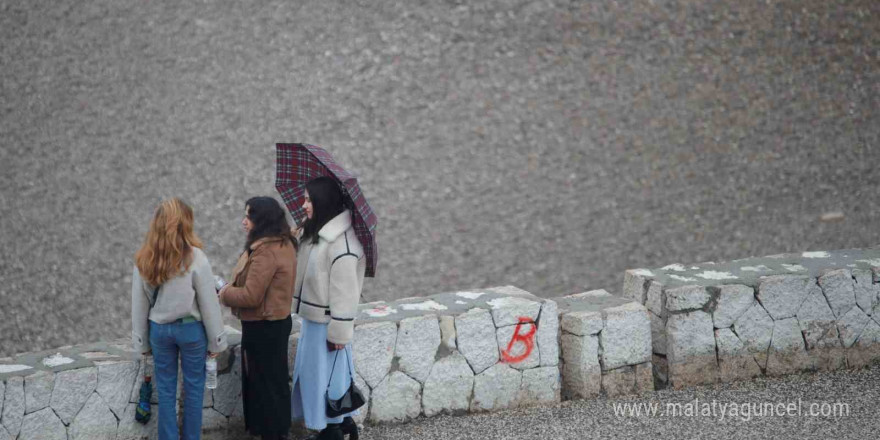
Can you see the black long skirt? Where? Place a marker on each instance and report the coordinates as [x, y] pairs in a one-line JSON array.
[[264, 376]]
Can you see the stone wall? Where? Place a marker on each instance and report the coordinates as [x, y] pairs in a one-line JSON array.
[[719, 322], [459, 352], [605, 342], [502, 347], [91, 391]]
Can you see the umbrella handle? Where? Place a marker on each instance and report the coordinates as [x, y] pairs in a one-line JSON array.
[[147, 376]]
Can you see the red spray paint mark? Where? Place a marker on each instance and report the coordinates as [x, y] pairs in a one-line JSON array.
[[526, 338]]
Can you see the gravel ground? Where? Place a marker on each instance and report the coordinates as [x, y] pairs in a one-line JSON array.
[[597, 418], [547, 144]]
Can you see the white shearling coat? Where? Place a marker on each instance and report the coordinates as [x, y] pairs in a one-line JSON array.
[[329, 278]]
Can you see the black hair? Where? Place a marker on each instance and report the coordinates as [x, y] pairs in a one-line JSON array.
[[268, 220], [327, 202]]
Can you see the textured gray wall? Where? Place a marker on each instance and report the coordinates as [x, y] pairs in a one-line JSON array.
[[546, 144]]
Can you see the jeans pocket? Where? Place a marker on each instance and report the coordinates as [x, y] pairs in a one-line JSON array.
[[192, 336]]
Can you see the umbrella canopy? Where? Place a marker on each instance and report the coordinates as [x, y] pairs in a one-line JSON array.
[[297, 164]]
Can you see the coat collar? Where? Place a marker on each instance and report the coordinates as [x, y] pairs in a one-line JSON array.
[[264, 240], [335, 227]]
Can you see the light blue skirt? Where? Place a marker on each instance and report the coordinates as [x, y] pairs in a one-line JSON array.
[[311, 373]]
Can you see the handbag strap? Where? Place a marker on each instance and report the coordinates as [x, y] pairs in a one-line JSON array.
[[333, 368], [147, 374], [155, 296]]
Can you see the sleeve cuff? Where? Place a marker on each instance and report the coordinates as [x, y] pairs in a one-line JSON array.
[[340, 332], [218, 343], [140, 343]]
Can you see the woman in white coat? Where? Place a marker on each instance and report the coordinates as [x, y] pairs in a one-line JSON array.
[[329, 277]]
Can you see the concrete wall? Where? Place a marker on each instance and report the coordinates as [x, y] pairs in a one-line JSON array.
[[719, 322]]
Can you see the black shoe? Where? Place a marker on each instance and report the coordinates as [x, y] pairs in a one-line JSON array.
[[333, 431], [349, 428]]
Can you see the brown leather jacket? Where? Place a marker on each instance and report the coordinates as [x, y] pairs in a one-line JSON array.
[[263, 281]]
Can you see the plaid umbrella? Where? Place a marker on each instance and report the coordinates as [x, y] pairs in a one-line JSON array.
[[297, 164]]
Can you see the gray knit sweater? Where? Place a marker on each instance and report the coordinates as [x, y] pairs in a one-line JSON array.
[[189, 294]]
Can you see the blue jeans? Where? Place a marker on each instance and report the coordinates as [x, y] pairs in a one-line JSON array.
[[167, 340]]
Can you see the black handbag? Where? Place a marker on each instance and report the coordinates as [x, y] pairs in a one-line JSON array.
[[350, 401]]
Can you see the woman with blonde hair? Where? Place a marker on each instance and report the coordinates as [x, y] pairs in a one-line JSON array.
[[174, 311]]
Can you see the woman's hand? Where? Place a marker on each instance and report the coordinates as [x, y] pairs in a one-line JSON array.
[[333, 347], [220, 293]]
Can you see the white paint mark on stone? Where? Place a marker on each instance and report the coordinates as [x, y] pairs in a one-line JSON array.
[[643, 272], [460, 302], [681, 278], [872, 262], [469, 295], [56, 360], [97, 355], [715, 275], [794, 268], [13, 368], [758, 268], [499, 302], [695, 267], [424, 306], [380, 311], [675, 267], [851, 265], [820, 254]]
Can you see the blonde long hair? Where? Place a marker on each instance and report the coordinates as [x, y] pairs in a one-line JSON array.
[[167, 248]]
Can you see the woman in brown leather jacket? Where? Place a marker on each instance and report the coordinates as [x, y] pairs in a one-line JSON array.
[[260, 295]]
